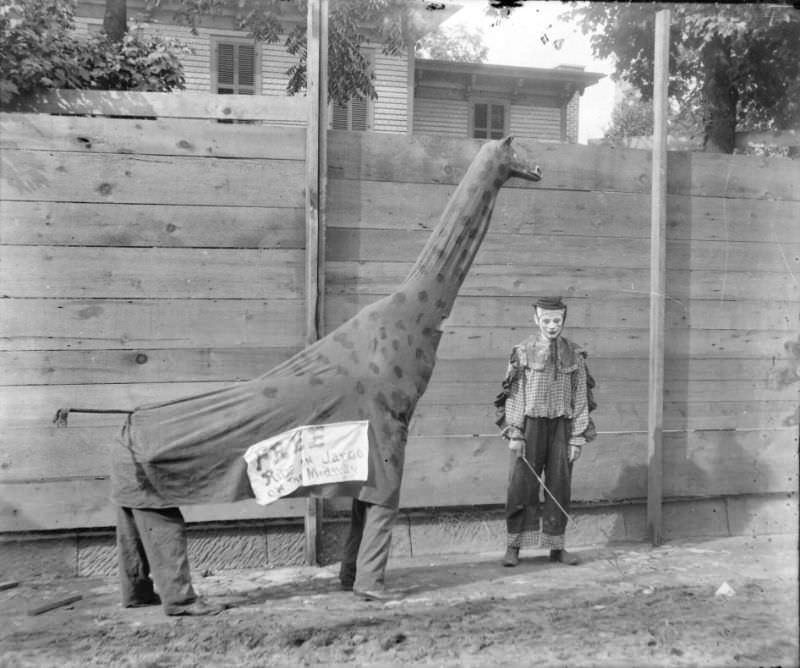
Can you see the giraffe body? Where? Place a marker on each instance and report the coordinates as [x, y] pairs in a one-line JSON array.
[[373, 367]]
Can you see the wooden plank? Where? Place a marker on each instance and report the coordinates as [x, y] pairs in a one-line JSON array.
[[42, 451], [440, 159], [381, 278], [106, 224], [36, 405], [75, 177], [436, 159], [114, 324], [148, 365], [316, 162], [516, 311], [418, 206], [118, 273], [38, 367], [377, 245], [199, 138], [82, 504], [461, 471], [268, 108], [658, 276]]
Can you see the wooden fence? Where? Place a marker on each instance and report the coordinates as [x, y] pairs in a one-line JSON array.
[[149, 259]]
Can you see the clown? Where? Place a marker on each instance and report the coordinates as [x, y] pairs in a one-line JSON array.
[[546, 421]]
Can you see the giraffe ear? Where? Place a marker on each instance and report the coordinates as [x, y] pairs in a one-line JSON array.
[[507, 141]]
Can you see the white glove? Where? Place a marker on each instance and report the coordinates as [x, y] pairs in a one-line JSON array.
[[517, 445]]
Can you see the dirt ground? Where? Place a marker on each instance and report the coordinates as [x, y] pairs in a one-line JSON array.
[[625, 605]]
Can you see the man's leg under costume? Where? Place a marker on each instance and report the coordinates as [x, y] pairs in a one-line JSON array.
[[152, 541], [558, 478], [367, 548], [522, 501]]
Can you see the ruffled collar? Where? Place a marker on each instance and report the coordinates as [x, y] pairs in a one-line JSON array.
[[539, 352]]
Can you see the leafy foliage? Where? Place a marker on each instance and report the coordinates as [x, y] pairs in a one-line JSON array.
[[731, 65], [454, 44], [41, 51], [631, 117]]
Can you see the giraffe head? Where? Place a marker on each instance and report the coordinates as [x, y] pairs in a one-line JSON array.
[[515, 165]]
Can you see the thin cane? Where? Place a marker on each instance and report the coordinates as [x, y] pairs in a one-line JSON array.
[[615, 559], [544, 487]]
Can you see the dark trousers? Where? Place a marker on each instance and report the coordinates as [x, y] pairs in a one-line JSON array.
[[366, 550], [546, 448], [152, 541]]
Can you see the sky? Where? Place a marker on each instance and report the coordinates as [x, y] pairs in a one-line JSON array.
[[516, 41]]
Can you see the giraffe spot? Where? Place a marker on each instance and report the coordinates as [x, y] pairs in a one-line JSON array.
[[315, 380], [270, 392], [374, 368], [343, 340], [398, 372], [440, 277], [395, 344], [324, 359], [420, 315], [400, 325], [399, 400], [427, 331], [382, 332], [360, 387], [420, 353], [423, 295], [441, 303], [399, 298], [354, 356], [342, 370]]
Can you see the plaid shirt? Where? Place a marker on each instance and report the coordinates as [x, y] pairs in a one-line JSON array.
[[547, 388]]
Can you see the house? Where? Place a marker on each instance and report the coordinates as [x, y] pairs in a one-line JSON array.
[[414, 95]]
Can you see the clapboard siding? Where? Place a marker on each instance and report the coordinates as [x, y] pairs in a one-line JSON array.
[[390, 110], [542, 123], [441, 117]]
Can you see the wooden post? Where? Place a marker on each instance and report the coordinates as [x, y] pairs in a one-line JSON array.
[[316, 168], [658, 221]]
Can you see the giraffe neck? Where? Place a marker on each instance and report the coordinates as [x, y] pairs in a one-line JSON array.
[[447, 256]]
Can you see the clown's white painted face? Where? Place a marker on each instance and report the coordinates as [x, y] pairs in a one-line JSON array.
[[550, 322]]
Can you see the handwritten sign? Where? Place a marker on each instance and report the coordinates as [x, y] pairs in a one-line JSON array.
[[306, 456]]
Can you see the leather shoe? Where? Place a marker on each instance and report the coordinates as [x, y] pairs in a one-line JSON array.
[[377, 594], [564, 557], [196, 608], [511, 557], [153, 599]]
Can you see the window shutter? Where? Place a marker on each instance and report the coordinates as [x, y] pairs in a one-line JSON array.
[[247, 67], [340, 117], [225, 71], [359, 114]]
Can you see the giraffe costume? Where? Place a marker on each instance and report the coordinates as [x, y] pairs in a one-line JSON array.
[[373, 367]]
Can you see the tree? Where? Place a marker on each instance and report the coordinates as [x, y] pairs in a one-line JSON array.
[[454, 44], [395, 25], [734, 66], [631, 117], [41, 50]]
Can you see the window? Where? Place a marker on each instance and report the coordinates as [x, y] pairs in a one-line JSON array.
[[488, 120], [352, 116], [235, 68]]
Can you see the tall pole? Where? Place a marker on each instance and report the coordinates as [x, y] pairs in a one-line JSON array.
[[658, 220], [316, 181]]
